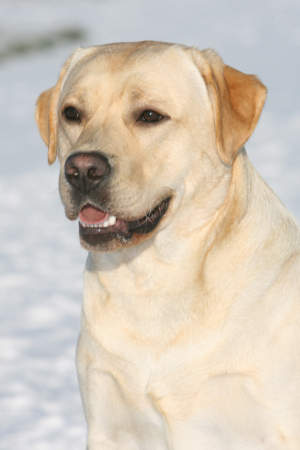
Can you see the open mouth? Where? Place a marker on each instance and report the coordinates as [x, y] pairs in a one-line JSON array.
[[94, 221]]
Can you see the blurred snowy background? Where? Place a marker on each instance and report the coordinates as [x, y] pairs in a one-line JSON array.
[[40, 258]]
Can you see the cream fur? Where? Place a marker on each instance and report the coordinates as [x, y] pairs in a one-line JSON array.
[[190, 338]]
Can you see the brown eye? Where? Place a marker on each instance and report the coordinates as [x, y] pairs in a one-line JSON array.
[[71, 113], [150, 117]]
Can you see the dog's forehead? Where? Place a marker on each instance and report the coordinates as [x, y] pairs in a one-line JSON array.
[[137, 70]]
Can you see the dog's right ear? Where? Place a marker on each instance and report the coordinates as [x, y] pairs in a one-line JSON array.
[[46, 116], [46, 112]]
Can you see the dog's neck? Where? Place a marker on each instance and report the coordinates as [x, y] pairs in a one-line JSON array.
[[126, 282]]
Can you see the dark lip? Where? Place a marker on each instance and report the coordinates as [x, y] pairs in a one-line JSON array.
[[125, 229], [149, 222]]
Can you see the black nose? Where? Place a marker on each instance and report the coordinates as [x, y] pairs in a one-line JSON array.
[[84, 171]]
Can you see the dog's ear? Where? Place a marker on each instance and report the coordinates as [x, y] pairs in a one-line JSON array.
[[46, 116], [237, 101], [47, 105]]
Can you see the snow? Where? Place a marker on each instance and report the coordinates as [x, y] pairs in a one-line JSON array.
[[40, 258]]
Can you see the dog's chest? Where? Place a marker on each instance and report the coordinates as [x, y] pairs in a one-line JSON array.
[[197, 402], [156, 351], [203, 379]]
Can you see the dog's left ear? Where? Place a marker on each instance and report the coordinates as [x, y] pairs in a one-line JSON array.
[[237, 101]]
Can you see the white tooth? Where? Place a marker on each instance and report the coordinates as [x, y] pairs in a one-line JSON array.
[[112, 220]]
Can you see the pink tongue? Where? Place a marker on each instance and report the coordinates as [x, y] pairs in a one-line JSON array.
[[90, 214]]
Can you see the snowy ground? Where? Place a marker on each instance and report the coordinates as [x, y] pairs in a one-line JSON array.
[[40, 258]]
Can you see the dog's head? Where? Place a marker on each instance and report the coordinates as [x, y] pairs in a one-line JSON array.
[[140, 129]]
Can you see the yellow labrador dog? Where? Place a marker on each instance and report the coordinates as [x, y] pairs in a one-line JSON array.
[[190, 333]]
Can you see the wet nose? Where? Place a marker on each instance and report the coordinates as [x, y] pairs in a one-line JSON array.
[[84, 171]]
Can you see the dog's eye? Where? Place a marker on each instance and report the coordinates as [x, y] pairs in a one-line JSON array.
[[71, 113], [150, 116]]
